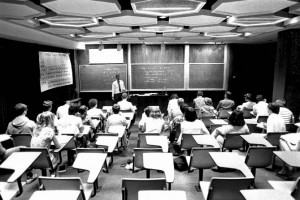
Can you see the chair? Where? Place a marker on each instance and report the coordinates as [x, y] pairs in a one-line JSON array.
[[66, 183], [223, 114], [206, 120], [291, 128], [253, 128], [224, 188], [200, 159], [262, 119], [259, 157], [188, 142], [214, 126], [9, 190], [93, 150], [131, 186], [138, 157], [141, 141], [126, 111], [247, 113], [23, 139], [43, 162], [273, 138], [292, 187], [233, 141]]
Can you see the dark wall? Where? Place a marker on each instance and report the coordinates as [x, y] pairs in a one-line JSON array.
[[20, 80]]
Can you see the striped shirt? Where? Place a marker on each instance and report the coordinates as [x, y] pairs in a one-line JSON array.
[[286, 114]]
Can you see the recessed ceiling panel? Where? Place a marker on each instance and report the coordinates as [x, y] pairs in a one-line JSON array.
[[96, 35], [128, 18], [223, 34], [256, 20], [259, 29], [295, 9], [106, 28], [161, 27], [61, 30], [20, 9], [213, 29], [88, 8], [69, 21], [201, 19], [123, 39], [200, 37], [250, 7], [26, 22], [180, 34], [166, 8], [138, 34], [159, 39]]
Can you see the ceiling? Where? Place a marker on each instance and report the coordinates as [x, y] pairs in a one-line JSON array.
[[146, 21]]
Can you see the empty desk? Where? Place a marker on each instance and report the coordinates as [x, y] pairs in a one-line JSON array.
[[292, 158], [263, 194], [158, 140], [161, 195], [256, 139], [208, 140], [55, 195]]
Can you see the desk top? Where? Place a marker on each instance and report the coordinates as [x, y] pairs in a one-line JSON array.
[[20, 162], [256, 139], [66, 142], [117, 129], [162, 195], [91, 162], [55, 194], [110, 141], [251, 121], [218, 121], [158, 140], [206, 140], [263, 194], [160, 161], [231, 160], [292, 158], [4, 137]]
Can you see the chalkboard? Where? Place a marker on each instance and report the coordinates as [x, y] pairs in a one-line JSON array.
[[95, 78], [209, 76], [157, 76]]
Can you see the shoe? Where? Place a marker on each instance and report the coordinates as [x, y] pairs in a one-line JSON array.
[[31, 179]]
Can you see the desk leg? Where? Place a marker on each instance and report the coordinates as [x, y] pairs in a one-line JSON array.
[[95, 187], [148, 173], [20, 187], [169, 188]]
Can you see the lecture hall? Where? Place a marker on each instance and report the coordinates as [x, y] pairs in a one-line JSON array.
[[149, 99]]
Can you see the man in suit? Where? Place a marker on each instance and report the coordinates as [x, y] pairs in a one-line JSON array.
[[118, 87]]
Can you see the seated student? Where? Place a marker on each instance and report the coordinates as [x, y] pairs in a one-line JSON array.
[[208, 109], [154, 123], [63, 110], [44, 134], [21, 124], [226, 103], [261, 108], [248, 103], [126, 105], [86, 120], [284, 112], [236, 125], [275, 122], [191, 125], [4, 153], [47, 107], [145, 115], [97, 113]]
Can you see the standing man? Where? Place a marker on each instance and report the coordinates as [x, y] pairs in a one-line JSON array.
[[117, 88], [199, 103]]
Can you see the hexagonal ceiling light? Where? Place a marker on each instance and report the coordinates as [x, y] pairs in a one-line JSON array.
[[223, 34], [161, 27], [138, 34], [222, 27], [26, 22], [166, 8], [103, 27], [96, 35], [85, 8], [20, 9], [250, 7], [61, 30], [260, 29], [128, 18]]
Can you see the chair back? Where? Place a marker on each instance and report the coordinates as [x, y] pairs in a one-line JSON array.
[[60, 183], [291, 128], [43, 161], [253, 128], [142, 143], [5, 174], [259, 157], [201, 159], [214, 126], [262, 119], [138, 155], [126, 111], [273, 138], [90, 150], [23, 139], [233, 141], [247, 113], [131, 186], [177, 131], [228, 188], [296, 189], [188, 142], [223, 114]]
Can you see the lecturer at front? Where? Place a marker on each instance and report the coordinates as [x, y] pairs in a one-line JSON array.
[[117, 88]]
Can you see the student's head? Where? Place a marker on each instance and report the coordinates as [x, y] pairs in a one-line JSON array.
[[273, 108], [280, 102], [73, 109], [180, 101], [208, 101], [46, 119], [190, 114], [147, 111], [183, 107], [174, 96], [93, 103], [124, 95], [155, 112], [259, 97], [236, 118], [227, 94], [199, 93], [83, 110], [117, 76], [47, 105], [116, 108], [20, 109], [248, 97]]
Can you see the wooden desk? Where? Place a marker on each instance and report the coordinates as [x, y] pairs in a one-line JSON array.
[[158, 140], [66, 142], [256, 139], [251, 121], [231, 160], [206, 140], [161, 195], [55, 195], [218, 121], [292, 158], [4, 137], [161, 161], [263, 194], [109, 141]]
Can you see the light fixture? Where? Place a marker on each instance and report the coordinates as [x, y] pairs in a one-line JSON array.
[[119, 47], [101, 47]]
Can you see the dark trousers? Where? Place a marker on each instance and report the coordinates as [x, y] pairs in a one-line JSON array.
[[117, 97]]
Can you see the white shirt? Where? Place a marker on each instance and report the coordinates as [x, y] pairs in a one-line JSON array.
[[95, 112], [195, 127], [286, 114], [62, 111], [248, 105], [126, 105], [275, 123], [115, 87], [142, 121], [260, 109], [115, 120], [154, 125], [69, 124]]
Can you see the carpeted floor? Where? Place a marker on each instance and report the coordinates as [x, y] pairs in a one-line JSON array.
[[110, 183]]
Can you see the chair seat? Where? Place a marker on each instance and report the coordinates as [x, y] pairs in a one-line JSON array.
[[9, 190], [204, 185], [284, 186], [88, 190]]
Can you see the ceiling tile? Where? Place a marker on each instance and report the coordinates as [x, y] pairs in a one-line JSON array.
[[166, 8], [213, 28], [61, 30], [250, 7], [88, 8], [204, 17], [20, 9], [180, 34], [260, 29], [106, 28], [128, 18]]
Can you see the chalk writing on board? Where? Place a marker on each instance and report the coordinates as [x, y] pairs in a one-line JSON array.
[[55, 70]]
